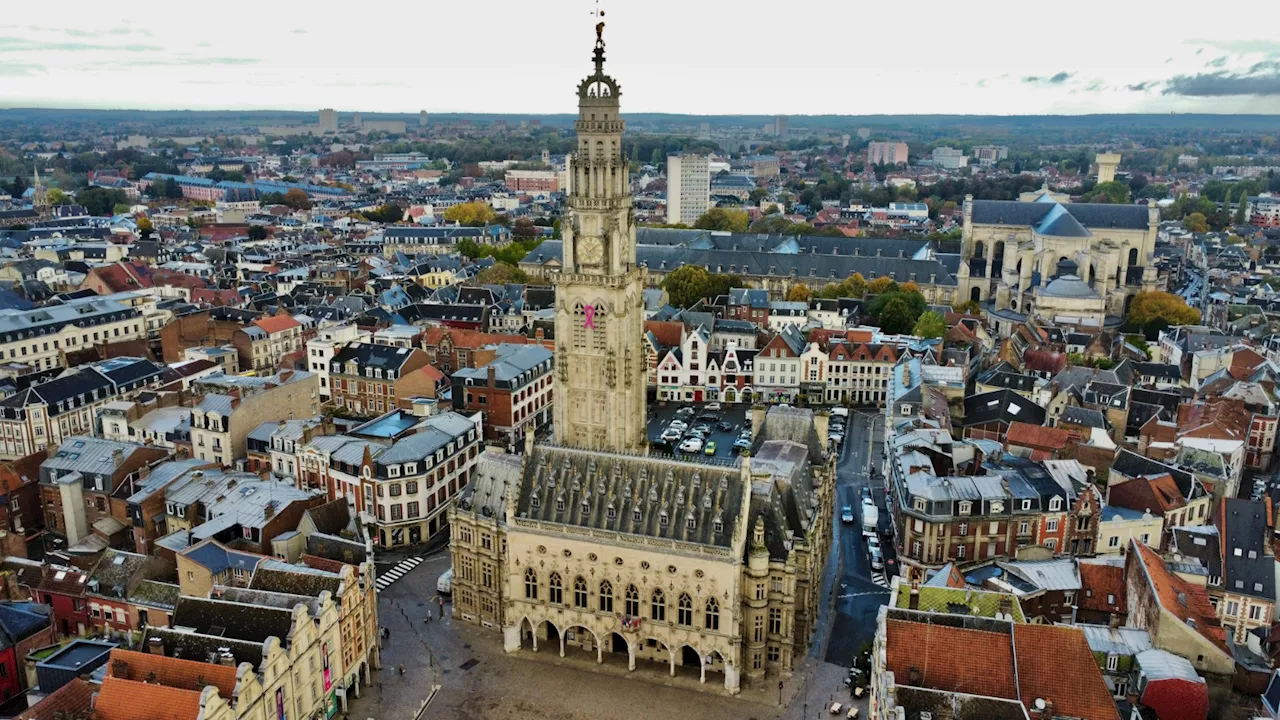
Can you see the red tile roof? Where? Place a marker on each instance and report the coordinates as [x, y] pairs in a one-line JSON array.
[[957, 660], [1036, 436], [128, 700], [172, 672], [277, 323], [1156, 493], [1053, 663], [1056, 664], [73, 700], [1185, 601], [322, 563], [1177, 699], [1099, 581], [668, 333]]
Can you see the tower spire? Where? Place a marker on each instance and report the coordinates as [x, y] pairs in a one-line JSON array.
[[598, 53]]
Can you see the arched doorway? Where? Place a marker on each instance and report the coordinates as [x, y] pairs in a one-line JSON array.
[[578, 641], [689, 662], [655, 656], [617, 651], [528, 638], [713, 668], [975, 294], [730, 395], [547, 634], [1133, 256]]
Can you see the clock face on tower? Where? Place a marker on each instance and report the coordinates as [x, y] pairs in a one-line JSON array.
[[591, 251]]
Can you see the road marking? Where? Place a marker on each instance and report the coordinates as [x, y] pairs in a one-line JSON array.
[[400, 570], [861, 594]]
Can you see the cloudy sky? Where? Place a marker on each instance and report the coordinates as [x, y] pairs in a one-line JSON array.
[[680, 56]]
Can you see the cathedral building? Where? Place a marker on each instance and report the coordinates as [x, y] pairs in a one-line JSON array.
[[1010, 250], [590, 547]]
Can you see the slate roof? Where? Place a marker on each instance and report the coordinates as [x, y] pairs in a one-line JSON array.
[[250, 623], [1248, 568], [606, 491], [1001, 406], [276, 576], [1089, 215], [213, 556]]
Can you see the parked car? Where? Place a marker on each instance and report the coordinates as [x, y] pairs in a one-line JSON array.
[[671, 435], [702, 429], [678, 425], [444, 585], [713, 405], [742, 443], [686, 411], [877, 561], [846, 514], [724, 425], [691, 445], [835, 438], [710, 449], [873, 544]]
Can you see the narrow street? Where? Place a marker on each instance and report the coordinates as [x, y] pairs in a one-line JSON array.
[[860, 590]]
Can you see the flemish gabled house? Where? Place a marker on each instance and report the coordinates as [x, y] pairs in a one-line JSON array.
[[858, 373], [778, 367]]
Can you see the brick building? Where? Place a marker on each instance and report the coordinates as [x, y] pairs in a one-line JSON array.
[[512, 391], [368, 379]]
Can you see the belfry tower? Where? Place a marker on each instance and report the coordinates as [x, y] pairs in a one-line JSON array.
[[600, 361]]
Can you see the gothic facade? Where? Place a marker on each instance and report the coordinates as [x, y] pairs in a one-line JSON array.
[[592, 548]]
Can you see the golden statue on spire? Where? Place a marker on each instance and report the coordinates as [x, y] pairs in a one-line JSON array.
[[599, 27]]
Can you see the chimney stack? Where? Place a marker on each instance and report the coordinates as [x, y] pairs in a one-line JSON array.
[[155, 645], [120, 669]]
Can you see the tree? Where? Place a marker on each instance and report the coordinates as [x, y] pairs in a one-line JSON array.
[[271, 198], [799, 293], [969, 307], [100, 201], [1196, 222], [882, 284], [855, 286], [723, 220], [524, 229], [502, 274], [687, 285], [1156, 309], [472, 214], [217, 174], [257, 232], [721, 284], [389, 213], [172, 190], [1242, 210], [930, 325], [57, 197], [1113, 192], [297, 199], [145, 228], [895, 317]]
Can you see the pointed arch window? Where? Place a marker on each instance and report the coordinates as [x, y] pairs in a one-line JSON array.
[[658, 607], [555, 590], [713, 614], [633, 601], [606, 597], [580, 593], [530, 584], [684, 611]]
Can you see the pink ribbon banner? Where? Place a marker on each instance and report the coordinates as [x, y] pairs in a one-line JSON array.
[[591, 314]]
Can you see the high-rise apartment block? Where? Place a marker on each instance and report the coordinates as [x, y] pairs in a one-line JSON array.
[[328, 121], [688, 188], [886, 153]]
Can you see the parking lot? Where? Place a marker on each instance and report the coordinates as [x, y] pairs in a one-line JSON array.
[[734, 417]]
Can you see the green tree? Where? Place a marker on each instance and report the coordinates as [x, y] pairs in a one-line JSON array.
[[1242, 210], [912, 302], [723, 220], [257, 232], [882, 284], [1113, 192], [895, 317], [100, 201], [502, 274], [1196, 222], [720, 284], [930, 325], [799, 292], [969, 307], [172, 190], [57, 197], [687, 285], [217, 174]]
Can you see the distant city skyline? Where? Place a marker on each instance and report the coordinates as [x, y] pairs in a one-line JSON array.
[[683, 58]]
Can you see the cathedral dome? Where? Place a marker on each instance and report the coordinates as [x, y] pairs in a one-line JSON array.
[[1069, 286]]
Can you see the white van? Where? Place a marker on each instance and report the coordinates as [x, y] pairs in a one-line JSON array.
[[840, 412], [445, 584]]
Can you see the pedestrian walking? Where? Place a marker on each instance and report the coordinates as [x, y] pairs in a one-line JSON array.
[[402, 668]]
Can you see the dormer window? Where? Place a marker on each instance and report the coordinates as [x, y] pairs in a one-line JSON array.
[[965, 508], [1055, 503], [635, 515], [664, 519]]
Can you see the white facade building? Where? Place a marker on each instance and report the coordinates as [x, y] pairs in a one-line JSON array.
[[688, 188]]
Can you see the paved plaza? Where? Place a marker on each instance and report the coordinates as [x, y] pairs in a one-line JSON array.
[[478, 681]]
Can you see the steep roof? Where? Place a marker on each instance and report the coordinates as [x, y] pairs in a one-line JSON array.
[[75, 699], [277, 323], [1102, 582], [1189, 603], [1055, 663], [975, 662], [172, 672], [1036, 436], [130, 700]]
